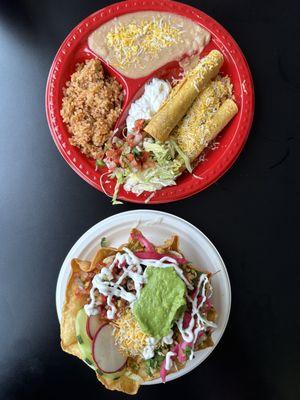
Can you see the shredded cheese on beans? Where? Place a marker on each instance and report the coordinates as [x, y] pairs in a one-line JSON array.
[[145, 37]]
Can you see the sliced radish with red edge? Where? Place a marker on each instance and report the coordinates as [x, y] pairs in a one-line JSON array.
[[105, 353], [93, 324]]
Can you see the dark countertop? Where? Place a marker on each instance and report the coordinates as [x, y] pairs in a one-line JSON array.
[[251, 214]]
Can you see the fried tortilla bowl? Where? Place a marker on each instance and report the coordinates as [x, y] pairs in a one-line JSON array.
[[71, 307], [73, 303]]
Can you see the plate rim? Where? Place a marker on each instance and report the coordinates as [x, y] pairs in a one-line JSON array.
[[155, 213], [225, 162]]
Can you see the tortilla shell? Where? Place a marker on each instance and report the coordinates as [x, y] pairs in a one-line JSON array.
[[123, 384], [71, 307], [101, 255], [74, 303]]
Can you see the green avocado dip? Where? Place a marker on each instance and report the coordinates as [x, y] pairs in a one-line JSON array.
[[162, 301]]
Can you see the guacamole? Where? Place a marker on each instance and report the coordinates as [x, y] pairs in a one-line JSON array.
[[162, 300]]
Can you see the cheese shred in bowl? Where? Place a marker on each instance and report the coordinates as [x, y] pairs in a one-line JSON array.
[[129, 337]]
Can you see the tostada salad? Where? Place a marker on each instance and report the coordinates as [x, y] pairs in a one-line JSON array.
[[138, 312]]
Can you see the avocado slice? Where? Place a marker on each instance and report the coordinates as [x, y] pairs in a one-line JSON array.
[[83, 340], [85, 345]]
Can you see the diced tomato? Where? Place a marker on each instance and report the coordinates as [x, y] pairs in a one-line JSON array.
[[130, 157], [131, 140], [135, 164], [113, 156], [131, 144], [139, 124], [144, 156], [110, 153], [103, 299]]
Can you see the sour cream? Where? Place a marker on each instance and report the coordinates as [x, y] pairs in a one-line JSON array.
[[156, 92], [169, 338], [148, 351]]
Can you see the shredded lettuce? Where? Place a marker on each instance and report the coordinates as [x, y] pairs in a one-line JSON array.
[[167, 168], [115, 196], [163, 174], [183, 156]]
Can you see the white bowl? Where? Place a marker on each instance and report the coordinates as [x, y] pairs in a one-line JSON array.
[[157, 226]]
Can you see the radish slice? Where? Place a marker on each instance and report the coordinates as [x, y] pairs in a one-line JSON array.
[[105, 353], [93, 324]]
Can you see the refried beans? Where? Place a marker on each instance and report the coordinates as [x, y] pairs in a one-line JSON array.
[[137, 44]]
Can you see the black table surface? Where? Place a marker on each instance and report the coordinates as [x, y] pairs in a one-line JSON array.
[[251, 214]]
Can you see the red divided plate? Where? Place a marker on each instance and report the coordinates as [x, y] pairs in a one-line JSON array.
[[232, 139]]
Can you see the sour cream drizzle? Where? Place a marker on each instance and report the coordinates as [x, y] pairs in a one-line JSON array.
[[103, 281], [190, 334], [169, 361]]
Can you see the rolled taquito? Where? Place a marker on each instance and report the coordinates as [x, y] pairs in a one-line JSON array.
[[183, 96], [194, 135], [189, 132]]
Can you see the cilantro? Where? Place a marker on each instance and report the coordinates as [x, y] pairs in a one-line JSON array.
[[134, 367], [79, 339], [148, 367], [88, 361], [104, 242], [100, 163], [135, 152], [187, 351], [99, 372], [154, 363]]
